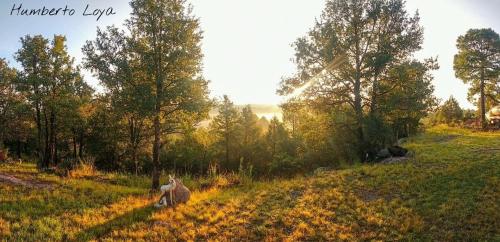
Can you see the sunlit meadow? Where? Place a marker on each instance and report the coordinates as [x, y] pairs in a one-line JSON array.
[[448, 191]]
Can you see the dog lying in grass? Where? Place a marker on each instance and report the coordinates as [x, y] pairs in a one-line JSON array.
[[173, 193]]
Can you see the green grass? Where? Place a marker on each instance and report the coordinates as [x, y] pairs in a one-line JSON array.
[[448, 192]]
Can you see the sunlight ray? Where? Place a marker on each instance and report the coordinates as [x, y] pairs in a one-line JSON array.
[[338, 61]]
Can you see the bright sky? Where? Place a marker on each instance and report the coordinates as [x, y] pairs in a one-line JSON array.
[[247, 43]]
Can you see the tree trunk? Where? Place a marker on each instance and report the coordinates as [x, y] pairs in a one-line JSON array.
[[158, 74], [136, 162], [19, 149], [157, 134], [47, 155], [482, 101], [358, 109], [38, 119], [134, 140], [56, 157], [156, 153], [373, 104], [80, 147], [203, 160], [227, 148], [74, 145], [53, 139], [40, 153]]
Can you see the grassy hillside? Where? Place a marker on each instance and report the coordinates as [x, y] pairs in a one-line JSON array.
[[450, 191]]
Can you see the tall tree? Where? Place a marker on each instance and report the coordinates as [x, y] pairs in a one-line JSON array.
[[276, 136], [60, 89], [345, 55], [34, 59], [478, 63], [111, 58], [226, 127], [250, 132], [407, 96], [167, 39]]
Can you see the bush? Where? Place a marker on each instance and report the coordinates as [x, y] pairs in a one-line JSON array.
[[64, 167], [285, 165], [450, 112], [245, 173], [76, 168]]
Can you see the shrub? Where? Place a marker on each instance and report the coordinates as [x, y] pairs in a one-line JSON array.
[[245, 173], [285, 165], [450, 112]]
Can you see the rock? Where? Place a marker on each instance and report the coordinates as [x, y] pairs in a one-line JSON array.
[[397, 151], [182, 193], [402, 141], [383, 153]]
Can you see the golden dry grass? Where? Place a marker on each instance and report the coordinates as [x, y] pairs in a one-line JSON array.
[[449, 192]]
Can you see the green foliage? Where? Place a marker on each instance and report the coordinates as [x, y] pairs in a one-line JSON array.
[[107, 138], [226, 127], [65, 166], [14, 111], [112, 59], [166, 37], [450, 112], [379, 133], [152, 72], [353, 57], [56, 91], [409, 97], [251, 134], [245, 172], [478, 64]]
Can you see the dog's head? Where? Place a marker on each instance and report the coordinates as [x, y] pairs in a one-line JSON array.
[[172, 184], [171, 179]]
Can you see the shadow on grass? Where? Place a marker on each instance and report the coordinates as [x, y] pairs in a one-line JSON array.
[[124, 220]]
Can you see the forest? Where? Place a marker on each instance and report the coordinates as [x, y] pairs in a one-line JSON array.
[[358, 89]]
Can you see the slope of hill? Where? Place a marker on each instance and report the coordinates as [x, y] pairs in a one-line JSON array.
[[450, 191]]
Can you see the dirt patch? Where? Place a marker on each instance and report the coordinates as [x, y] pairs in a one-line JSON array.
[[8, 179]]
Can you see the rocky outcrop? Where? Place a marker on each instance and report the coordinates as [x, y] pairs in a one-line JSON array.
[[393, 154]]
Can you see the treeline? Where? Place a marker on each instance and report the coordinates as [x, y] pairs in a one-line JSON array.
[[357, 90], [41, 105]]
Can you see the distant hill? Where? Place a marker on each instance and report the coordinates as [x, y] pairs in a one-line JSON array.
[[262, 110]]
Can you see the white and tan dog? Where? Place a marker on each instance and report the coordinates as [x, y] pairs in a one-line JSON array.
[[174, 191], [168, 190]]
